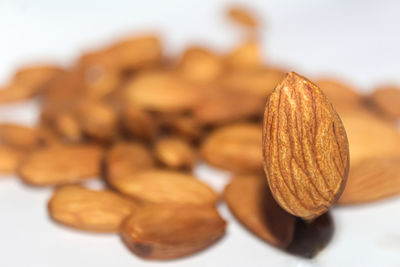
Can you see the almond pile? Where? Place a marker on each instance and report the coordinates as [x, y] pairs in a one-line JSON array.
[[140, 121]]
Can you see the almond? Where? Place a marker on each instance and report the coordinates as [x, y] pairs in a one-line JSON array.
[[10, 159], [250, 200], [175, 153], [167, 232], [185, 126], [139, 123], [166, 187], [81, 208], [306, 153], [242, 17], [61, 164], [246, 56], [235, 147], [18, 136], [387, 101], [371, 180]]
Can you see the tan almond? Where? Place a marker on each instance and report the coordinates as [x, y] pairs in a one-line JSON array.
[[306, 152], [250, 200], [10, 159], [246, 56], [372, 180], [387, 101], [242, 16], [125, 159], [18, 136], [161, 91], [175, 153], [67, 125], [101, 81], [167, 232], [61, 164], [235, 147], [139, 123], [166, 187], [89, 210], [184, 126]]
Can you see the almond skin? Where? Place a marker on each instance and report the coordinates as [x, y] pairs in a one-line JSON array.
[[372, 180], [175, 153], [81, 208], [250, 200], [18, 136], [168, 232], [305, 147], [10, 158]]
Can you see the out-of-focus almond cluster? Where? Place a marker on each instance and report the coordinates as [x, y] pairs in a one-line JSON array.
[[141, 121]]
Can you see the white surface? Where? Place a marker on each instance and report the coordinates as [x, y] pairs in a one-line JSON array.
[[357, 40]]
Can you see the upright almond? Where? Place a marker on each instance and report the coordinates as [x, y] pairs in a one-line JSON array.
[[305, 147]]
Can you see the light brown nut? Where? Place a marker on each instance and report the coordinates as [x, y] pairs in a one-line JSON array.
[[61, 164], [168, 232], [101, 81], [306, 152], [85, 209], [246, 56], [139, 123], [161, 91], [370, 136], [250, 200], [166, 187], [387, 101], [10, 159], [28, 82], [175, 153], [18, 136], [257, 82], [221, 106], [235, 147], [371, 180], [342, 96], [124, 160], [200, 65], [185, 126], [98, 120], [67, 125], [242, 17]]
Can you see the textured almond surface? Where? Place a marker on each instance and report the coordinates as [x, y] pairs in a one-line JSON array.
[[235, 147], [167, 187], [124, 159], [61, 164], [250, 200], [90, 210], [18, 136], [10, 158], [175, 153], [165, 232], [305, 148], [371, 180]]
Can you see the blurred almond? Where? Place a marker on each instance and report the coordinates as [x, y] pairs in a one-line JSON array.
[[18, 136], [166, 187], [139, 123], [242, 17], [10, 159], [61, 164], [67, 125], [89, 210], [167, 232], [175, 153], [387, 101], [306, 152], [371, 180], [251, 201], [235, 148], [184, 126], [246, 56]]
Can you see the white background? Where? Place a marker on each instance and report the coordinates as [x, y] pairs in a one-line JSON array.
[[358, 41]]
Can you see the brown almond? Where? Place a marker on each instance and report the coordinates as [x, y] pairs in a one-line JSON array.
[[18, 136], [175, 153], [371, 180], [242, 17], [61, 164], [90, 210], [166, 187], [235, 147], [125, 159], [387, 101], [67, 125], [139, 123], [10, 159], [250, 200], [185, 126], [306, 152], [167, 232], [246, 56], [161, 91]]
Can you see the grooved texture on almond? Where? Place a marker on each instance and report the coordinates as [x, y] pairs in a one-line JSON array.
[[371, 180], [85, 209], [306, 153], [250, 200], [168, 232], [61, 164]]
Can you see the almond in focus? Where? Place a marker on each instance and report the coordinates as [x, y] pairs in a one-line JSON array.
[[306, 152]]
